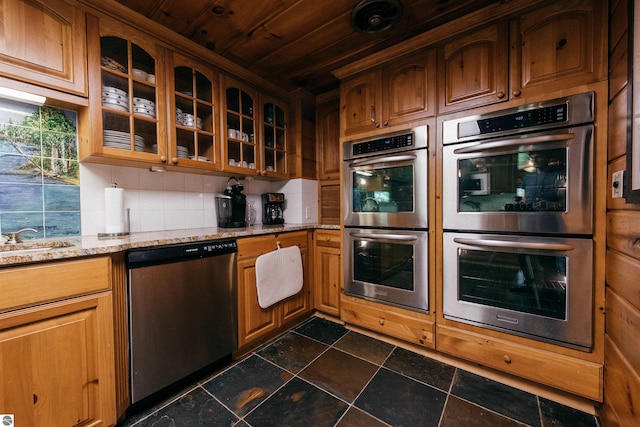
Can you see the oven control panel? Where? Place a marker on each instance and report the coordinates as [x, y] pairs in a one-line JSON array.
[[382, 144], [523, 119]]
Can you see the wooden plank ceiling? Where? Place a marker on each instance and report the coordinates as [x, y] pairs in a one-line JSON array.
[[294, 43]]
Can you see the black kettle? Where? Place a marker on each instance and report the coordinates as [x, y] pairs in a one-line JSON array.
[[232, 206]]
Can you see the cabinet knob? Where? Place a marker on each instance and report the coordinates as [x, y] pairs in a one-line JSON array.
[[163, 159], [386, 124], [516, 93], [507, 359], [174, 160], [381, 321], [500, 95], [377, 125]]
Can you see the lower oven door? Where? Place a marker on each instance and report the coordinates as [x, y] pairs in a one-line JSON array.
[[388, 266], [537, 287]]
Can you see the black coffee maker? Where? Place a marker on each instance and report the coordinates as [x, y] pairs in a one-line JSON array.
[[272, 208], [231, 206]]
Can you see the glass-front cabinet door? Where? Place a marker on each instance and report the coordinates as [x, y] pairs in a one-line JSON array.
[[240, 148], [128, 116], [192, 137], [274, 139]]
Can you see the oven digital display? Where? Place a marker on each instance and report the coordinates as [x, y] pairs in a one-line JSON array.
[[522, 119], [382, 144]]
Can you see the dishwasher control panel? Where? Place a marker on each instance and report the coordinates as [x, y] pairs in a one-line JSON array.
[[173, 253]]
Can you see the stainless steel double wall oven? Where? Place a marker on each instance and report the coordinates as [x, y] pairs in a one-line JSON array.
[[518, 220], [386, 218]]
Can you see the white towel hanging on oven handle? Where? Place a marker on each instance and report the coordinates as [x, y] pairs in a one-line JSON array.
[[279, 275]]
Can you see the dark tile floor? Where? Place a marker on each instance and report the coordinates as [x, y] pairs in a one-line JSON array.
[[321, 374]]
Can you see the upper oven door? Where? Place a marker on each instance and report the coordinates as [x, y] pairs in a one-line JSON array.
[[533, 183], [386, 191]]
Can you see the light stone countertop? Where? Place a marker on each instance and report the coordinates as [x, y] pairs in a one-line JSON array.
[[91, 245]]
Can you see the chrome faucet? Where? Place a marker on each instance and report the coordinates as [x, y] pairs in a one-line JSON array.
[[14, 237]]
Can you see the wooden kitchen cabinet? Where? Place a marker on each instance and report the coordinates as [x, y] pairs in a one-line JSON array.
[[473, 69], [274, 160], [329, 161], [239, 124], [400, 92], [406, 325], [43, 42], [128, 118], [561, 45], [254, 322], [56, 344], [554, 47], [328, 271], [580, 377], [193, 90]]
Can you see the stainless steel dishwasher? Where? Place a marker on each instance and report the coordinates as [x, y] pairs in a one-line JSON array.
[[182, 311]]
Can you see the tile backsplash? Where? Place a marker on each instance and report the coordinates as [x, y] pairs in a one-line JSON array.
[[174, 200], [39, 170]]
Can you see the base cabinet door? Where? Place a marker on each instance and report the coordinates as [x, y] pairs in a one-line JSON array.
[[300, 302], [328, 271], [253, 320], [56, 364]]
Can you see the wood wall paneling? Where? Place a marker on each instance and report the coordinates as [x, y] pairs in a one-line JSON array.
[[621, 405], [617, 129]]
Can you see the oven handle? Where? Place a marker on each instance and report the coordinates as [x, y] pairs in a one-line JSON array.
[[518, 245], [386, 159], [486, 146], [384, 236]]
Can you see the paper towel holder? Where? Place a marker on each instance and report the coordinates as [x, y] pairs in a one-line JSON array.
[[105, 236]]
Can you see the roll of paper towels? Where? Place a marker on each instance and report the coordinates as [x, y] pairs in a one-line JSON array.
[[114, 210]]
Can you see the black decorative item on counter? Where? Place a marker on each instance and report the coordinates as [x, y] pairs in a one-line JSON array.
[[231, 206]]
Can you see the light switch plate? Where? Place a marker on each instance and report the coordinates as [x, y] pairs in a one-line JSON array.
[[617, 184]]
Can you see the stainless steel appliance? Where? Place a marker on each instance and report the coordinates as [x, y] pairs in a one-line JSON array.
[[231, 205], [386, 218], [528, 169], [272, 208], [389, 266], [538, 287], [385, 180], [518, 220], [182, 311]]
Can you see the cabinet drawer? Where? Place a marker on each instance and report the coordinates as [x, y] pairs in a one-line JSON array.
[[576, 376], [392, 321], [35, 284], [256, 246], [328, 238]]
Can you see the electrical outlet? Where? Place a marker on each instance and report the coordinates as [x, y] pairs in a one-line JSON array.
[[307, 212], [617, 184]]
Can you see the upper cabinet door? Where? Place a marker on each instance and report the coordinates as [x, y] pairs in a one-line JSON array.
[[473, 69], [193, 94], [240, 147], [361, 99], [560, 45], [328, 140], [43, 42], [274, 139], [409, 91], [128, 95]]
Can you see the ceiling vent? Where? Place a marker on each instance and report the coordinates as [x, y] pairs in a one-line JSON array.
[[374, 16]]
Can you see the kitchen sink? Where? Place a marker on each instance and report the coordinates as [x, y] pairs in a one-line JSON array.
[[33, 246]]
